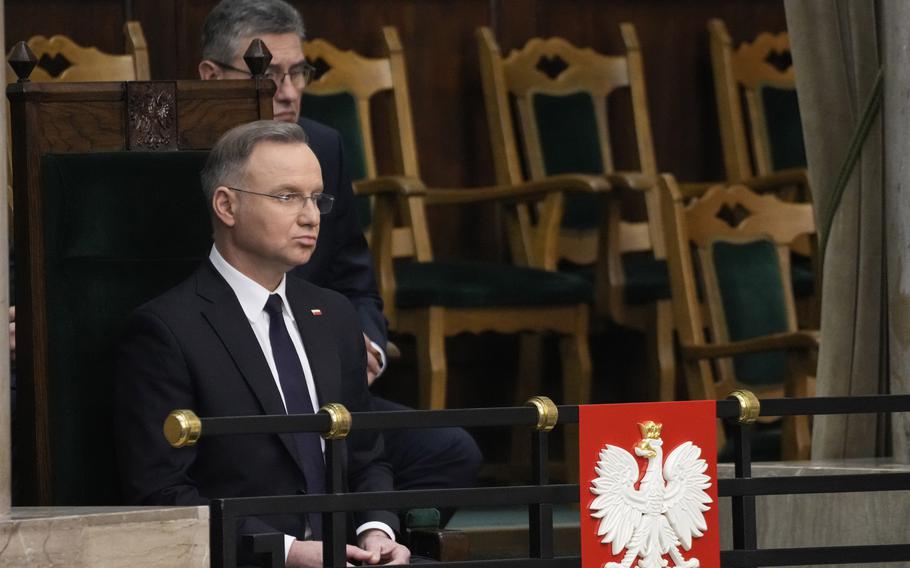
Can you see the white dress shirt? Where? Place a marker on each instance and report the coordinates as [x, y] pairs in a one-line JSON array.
[[252, 298]]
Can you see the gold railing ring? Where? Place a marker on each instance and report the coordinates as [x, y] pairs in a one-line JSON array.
[[547, 413], [749, 405], [182, 428], [341, 421]]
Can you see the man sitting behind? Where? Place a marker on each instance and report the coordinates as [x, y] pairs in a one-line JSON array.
[[241, 337]]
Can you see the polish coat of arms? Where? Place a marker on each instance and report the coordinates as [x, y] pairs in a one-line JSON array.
[[664, 514]]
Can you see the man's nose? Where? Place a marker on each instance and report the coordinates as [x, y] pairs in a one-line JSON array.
[[286, 90], [309, 214]]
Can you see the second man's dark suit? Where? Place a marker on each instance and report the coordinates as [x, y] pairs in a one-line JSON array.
[[194, 348], [420, 459]]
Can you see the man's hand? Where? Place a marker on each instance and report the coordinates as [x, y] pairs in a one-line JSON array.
[[374, 361], [308, 554], [384, 550]]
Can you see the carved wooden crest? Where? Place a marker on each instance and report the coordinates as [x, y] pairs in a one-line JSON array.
[[152, 115]]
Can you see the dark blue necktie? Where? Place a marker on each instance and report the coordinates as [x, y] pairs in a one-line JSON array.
[[297, 399]]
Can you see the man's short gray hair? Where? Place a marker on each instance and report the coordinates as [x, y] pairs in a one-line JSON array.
[[226, 164], [232, 21]]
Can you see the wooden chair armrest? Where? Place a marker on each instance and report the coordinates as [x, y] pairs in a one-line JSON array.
[[637, 181], [392, 351], [794, 176], [796, 340], [526, 191], [402, 185]]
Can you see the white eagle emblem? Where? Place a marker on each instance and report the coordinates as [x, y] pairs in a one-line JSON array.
[[667, 510]]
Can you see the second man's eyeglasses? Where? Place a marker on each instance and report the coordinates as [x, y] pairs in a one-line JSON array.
[[300, 74]]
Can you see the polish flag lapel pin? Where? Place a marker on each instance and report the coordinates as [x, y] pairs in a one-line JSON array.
[[316, 311]]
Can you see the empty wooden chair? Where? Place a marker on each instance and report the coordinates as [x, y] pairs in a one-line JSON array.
[[729, 254]]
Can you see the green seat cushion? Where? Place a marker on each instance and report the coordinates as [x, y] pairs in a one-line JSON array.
[[120, 228], [752, 293], [647, 279], [465, 284], [426, 518], [784, 128], [569, 143], [339, 111]]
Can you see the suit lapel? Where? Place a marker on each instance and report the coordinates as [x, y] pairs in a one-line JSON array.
[[318, 342], [229, 322]]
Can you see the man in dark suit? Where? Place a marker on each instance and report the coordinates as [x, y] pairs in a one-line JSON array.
[[242, 337], [420, 459]]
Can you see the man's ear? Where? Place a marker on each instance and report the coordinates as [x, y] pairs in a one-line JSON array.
[[224, 206], [209, 70]]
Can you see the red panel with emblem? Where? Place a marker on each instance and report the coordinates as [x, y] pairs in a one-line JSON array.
[[649, 485]]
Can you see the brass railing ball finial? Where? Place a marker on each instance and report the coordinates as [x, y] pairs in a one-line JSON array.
[[22, 59], [749, 405], [182, 428], [341, 421], [257, 57], [547, 413]]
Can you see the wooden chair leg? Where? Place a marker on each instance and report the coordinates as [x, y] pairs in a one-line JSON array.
[[431, 359], [660, 351], [576, 381]]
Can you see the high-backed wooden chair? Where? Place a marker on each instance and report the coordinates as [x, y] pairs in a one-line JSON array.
[[109, 214], [62, 59], [762, 135], [729, 255], [434, 299], [71, 62], [765, 137], [559, 94]]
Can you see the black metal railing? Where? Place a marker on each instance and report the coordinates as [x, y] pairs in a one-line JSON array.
[[541, 496]]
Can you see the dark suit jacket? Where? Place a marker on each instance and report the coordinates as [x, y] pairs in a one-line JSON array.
[[342, 260], [194, 348]]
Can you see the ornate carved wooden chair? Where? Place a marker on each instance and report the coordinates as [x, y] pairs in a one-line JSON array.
[[109, 214], [729, 255], [434, 299], [766, 136], [61, 59], [762, 135], [560, 95]]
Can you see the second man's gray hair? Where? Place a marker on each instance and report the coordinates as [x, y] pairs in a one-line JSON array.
[[232, 21], [226, 163]]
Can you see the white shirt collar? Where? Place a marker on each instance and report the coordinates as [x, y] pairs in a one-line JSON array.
[[251, 294]]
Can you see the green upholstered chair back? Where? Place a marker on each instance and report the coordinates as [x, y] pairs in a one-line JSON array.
[[730, 272], [120, 228], [753, 303], [757, 105], [559, 95], [783, 127], [341, 96]]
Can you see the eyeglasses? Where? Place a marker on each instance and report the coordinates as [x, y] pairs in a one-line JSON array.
[[299, 74], [322, 201]]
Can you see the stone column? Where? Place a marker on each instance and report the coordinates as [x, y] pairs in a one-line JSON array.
[[5, 438]]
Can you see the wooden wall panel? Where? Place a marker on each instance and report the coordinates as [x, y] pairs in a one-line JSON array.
[[97, 22], [438, 37]]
